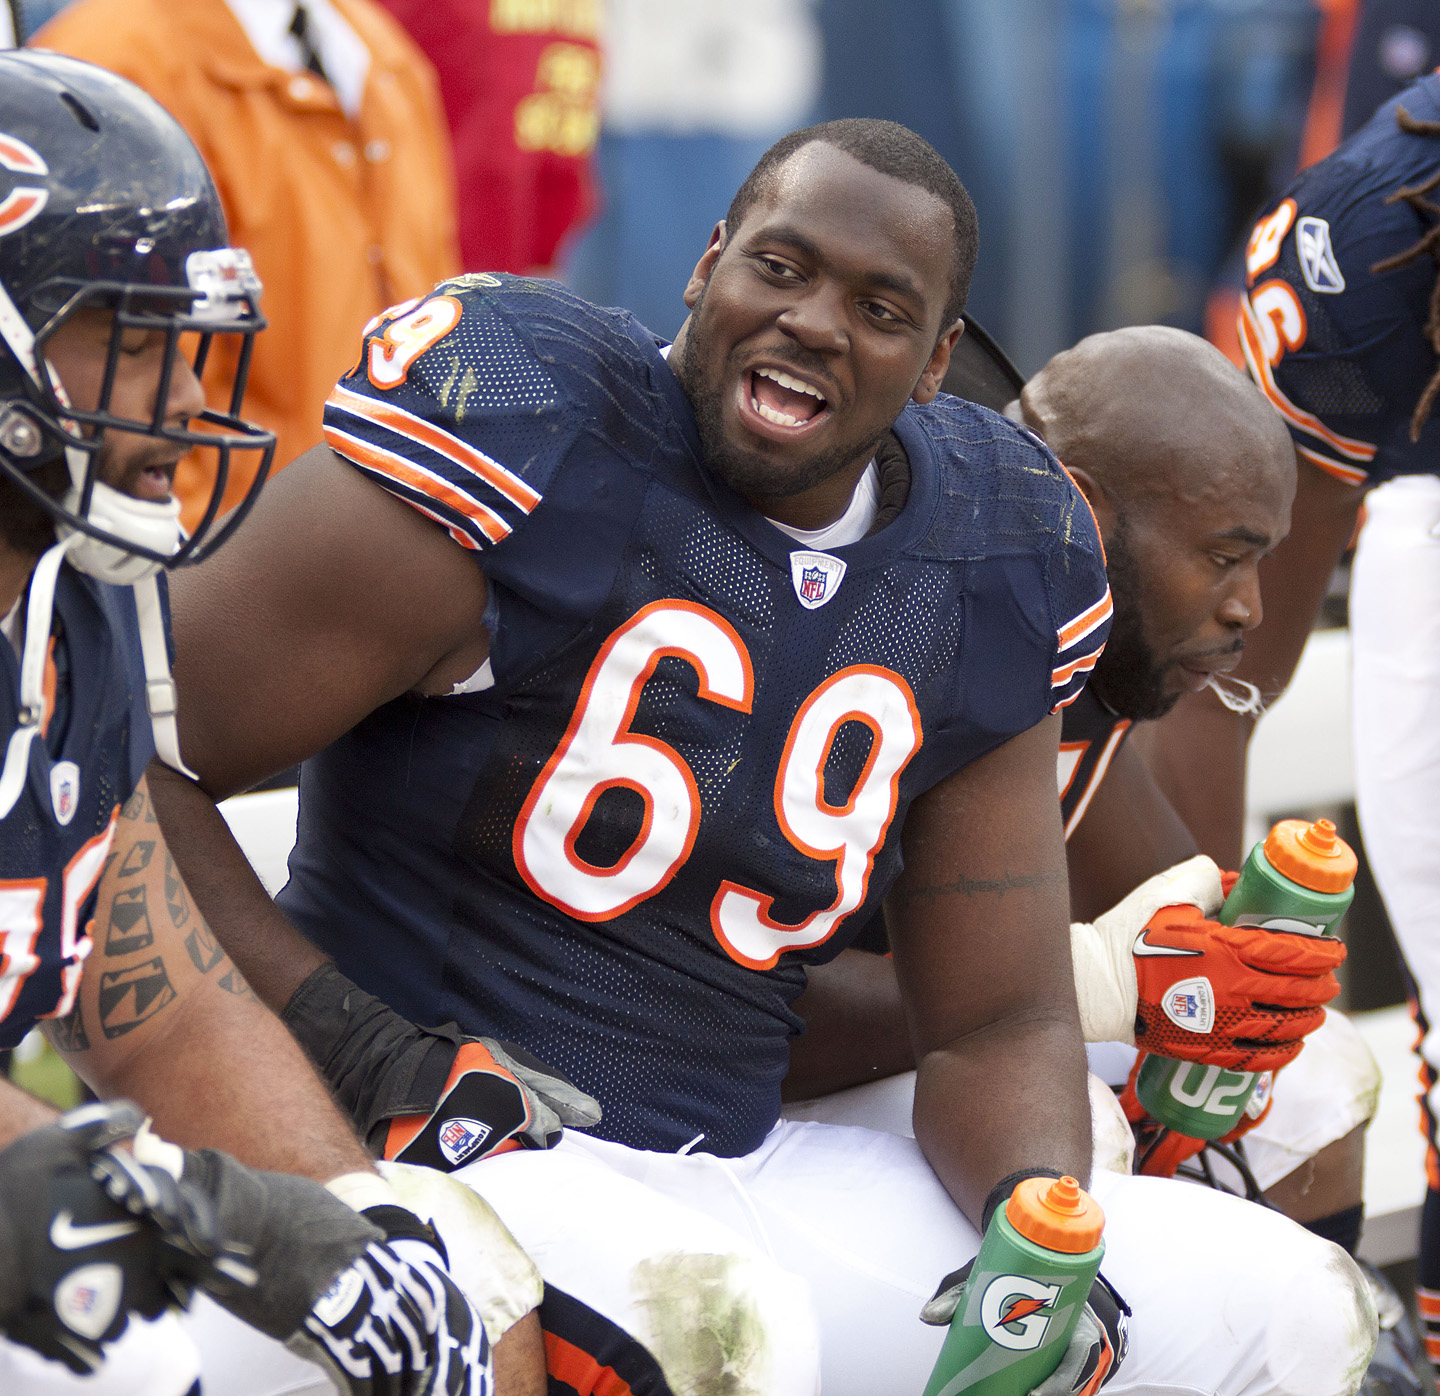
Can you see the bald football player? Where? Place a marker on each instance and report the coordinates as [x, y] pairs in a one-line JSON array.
[[1190, 474]]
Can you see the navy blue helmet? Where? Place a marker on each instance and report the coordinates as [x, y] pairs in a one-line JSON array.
[[106, 204]]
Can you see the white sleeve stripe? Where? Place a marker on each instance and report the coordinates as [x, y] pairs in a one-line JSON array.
[[417, 483], [433, 438], [1086, 623], [1062, 675]]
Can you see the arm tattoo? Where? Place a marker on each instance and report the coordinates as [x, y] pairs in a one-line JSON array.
[[176, 898], [129, 928], [138, 858], [68, 1033], [204, 950], [130, 997], [963, 886], [233, 982]]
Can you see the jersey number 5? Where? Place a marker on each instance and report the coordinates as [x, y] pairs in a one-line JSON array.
[[22, 908], [598, 752]]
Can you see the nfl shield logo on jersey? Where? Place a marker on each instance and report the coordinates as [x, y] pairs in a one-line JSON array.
[[1317, 258], [816, 577], [65, 790], [1190, 1004], [460, 1137]]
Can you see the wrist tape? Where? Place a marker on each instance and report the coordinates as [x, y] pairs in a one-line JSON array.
[[377, 1063], [300, 1237], [1002, 1190]]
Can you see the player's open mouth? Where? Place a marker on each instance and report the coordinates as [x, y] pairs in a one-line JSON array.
[[785, 404], [1196, 674]]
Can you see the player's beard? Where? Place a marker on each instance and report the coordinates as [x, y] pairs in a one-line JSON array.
[[1129, 679], [750, 474]]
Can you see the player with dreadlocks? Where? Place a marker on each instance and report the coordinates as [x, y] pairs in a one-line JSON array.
[[1340, 325]]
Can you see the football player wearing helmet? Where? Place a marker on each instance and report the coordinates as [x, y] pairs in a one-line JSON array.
[[622, 680], [116, 282]]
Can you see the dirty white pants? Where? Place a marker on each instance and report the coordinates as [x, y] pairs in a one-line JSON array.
[[810, 1258]]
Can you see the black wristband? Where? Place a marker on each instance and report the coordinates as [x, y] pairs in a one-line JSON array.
[[377, 1063], [1002, 1190], [401, 1224]]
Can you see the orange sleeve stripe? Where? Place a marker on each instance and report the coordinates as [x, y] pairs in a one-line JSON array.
[[405, 472], [1428, 1302], [1083, 665], [405, 423], [1350, 474], [576, 1368], [1265, 380], [1086, 621]]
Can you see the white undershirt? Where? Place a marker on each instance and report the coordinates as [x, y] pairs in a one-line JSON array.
[[341, 50], [852, 525]]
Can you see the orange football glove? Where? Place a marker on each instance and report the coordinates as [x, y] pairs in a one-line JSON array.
[[1230, 996], [1175, 1148]]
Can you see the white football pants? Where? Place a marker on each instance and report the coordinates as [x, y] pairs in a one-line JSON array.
[[803, 1266], [1395, 638]]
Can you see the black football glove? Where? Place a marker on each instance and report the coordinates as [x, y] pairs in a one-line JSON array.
[[89, 1237], [1096, 1348], [430, 1096], [365, 1295], [393, 1322]]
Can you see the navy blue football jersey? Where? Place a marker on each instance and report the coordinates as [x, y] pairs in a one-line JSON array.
[[688, 773], [1090, 735], [1339, 349], [54, 842]]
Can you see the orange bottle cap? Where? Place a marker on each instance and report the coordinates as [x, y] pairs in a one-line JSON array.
[[1056, 1213], [1313, 855]]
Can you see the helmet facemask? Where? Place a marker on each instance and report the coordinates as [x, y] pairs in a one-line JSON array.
[[127, 538]]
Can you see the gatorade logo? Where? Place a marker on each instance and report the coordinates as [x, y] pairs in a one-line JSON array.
[[1015, 1311]]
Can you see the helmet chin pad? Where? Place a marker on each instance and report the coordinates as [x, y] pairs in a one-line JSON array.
[[142, 523]]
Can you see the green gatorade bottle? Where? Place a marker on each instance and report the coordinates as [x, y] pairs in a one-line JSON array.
[[1025, 1293], [1300, 880]]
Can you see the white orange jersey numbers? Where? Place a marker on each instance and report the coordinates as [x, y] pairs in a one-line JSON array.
[[850, 833], [599, 752], [388, 356]]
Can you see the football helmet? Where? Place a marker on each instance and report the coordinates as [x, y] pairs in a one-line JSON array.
[[105, 203]]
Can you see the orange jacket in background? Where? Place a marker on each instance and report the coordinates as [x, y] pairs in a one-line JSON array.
[[342, 218]]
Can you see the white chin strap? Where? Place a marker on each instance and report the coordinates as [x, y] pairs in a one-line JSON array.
[[144, 522], [150, 525], [160, 698]]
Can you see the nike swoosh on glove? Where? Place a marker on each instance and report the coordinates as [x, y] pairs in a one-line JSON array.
[[1096, 1348], [90, 1236], [1230, 996], [497, 1097]]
